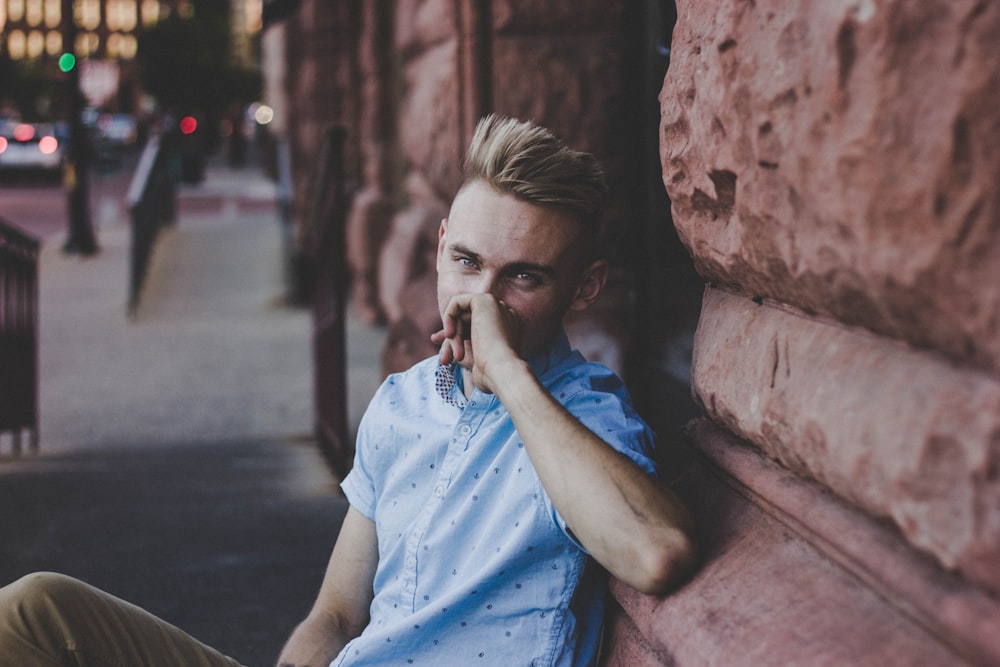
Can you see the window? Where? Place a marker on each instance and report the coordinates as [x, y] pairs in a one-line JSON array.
[[121, 46], [53, 13], [128, 47], [53, 42], [120, 15], [15, 10], [36, 44], [87, 43], [87, 13], [33, 13], [150, 12], [16, 44]]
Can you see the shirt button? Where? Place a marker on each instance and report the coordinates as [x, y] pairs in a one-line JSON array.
[[438, 491], [465, 429]]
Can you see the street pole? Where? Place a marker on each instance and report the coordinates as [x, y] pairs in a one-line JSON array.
[[80, 239]]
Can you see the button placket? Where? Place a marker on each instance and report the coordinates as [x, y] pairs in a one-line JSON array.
[[472, 417]]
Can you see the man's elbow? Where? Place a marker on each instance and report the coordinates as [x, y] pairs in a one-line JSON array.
[[666, 564]]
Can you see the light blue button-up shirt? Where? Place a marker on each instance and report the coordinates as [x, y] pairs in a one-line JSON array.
[[476, 567]]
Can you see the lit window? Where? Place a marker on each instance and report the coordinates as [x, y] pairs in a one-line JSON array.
[[53, 13], [53, 42], [120, 15], [150, 12], [127, 18], [15, 10], [121, 46], [16, 44], [111, 14], [36, 44], [87, 43], [33, 13], [128, 47], [87, 13]]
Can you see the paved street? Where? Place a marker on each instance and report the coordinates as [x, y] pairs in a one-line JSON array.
[[177, 467]]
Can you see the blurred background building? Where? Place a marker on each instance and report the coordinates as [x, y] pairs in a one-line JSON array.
[[33, 38]]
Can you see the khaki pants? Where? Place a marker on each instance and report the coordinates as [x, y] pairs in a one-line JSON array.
[[52, 619]]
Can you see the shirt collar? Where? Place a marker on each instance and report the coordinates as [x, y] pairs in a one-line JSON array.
[[446, 382]]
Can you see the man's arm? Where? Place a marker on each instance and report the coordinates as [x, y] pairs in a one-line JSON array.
[[635, 527], [340, 612]]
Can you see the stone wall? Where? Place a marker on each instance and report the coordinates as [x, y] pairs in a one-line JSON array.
[[833, 169]]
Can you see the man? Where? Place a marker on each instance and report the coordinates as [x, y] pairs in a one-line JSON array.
[[490, 482]]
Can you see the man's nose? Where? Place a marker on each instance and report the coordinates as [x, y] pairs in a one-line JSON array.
[[487, 283]]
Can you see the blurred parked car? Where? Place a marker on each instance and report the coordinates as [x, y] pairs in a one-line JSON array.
[[112, 135], [119, 129], [31, 147]]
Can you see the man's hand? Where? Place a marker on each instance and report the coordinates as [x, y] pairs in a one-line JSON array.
[[479, 332]]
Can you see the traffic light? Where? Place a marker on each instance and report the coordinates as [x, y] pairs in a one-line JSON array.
[[67, 62], [188, 124]]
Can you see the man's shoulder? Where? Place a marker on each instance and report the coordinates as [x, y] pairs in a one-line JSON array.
[[576, 370], [419, 376], [423, 368]]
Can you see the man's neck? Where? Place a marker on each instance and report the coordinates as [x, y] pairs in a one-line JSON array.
[[468, 386]]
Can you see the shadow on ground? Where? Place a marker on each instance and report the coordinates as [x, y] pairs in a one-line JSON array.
[[228, 541]]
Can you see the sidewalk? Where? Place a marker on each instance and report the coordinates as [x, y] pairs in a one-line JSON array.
[[177, 468]]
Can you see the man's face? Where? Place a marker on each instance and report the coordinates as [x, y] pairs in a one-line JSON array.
[[528, 257]]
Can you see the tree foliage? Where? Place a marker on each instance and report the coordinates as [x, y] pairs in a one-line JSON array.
[[185, 63], [26, 88]]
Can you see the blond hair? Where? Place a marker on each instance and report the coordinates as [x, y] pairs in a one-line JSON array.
[[528, 161]]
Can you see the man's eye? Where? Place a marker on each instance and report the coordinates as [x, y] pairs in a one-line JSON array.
[[528, 278], [466, 262]]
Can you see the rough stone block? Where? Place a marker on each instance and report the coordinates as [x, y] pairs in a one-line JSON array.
[[553, 16], [420, 23], [791, 575], [901, 432], [841, 157], [367, 223], [429, 127], [550, 78]]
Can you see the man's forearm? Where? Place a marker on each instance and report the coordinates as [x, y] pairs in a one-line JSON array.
[[628, 521], [314, 643]]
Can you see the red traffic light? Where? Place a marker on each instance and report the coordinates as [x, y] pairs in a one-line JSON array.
[[188, 124]]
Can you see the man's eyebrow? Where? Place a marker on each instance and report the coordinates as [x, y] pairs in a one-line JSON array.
[[459, 249], [528, 267]]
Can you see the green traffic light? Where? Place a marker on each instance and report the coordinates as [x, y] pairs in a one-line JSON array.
[[67, 62]]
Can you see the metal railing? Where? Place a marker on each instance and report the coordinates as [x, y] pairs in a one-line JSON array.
[[18, 336], [151, 201], [329, 269]]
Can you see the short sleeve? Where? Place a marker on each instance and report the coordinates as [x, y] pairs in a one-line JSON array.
[[601, 403], [359, 485]]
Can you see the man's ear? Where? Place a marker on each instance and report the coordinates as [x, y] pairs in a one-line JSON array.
[[591, 282]]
